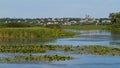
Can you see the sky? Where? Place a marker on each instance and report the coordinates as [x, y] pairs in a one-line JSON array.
[[58, 8]]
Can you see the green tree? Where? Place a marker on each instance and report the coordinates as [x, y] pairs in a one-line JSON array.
[[115, 19]]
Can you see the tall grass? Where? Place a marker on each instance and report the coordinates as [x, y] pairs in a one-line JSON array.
[[32, 32]]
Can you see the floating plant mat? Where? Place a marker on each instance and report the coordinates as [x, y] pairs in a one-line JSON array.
[[30, 58], [92, 49]]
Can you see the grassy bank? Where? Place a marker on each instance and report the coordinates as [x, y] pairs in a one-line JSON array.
[[86, 27], [32, 32]]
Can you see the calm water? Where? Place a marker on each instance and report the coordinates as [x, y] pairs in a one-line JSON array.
[[92, 37]]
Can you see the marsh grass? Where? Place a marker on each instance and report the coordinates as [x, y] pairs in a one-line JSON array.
[[32, 32]]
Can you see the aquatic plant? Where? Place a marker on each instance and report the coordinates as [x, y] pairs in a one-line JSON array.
[[92, 49], [31, 58], [99, 50]]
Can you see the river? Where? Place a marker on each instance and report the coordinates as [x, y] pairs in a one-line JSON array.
[[83, 37]]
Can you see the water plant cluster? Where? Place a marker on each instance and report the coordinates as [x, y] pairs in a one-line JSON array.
[[92, 49], [32, 58], [30, 50], [99, 50], [26, 48]]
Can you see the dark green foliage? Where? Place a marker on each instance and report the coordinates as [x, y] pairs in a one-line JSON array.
[[115, 18]]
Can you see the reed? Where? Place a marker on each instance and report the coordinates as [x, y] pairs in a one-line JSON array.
[[32, 32]]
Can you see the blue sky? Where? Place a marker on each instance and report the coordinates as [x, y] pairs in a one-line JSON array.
[[57, 8]]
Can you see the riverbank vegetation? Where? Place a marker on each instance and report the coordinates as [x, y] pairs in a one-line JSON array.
[[86, 27]]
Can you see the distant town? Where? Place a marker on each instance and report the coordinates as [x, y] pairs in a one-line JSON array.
[[87, 20]]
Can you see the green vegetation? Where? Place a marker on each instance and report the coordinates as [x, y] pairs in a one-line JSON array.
[[115, 18], [26, 48], [99, 50], [27, 52], [93, 49], [33, 58], [33, 48], [86, 27], [32, 32], [22, 49]]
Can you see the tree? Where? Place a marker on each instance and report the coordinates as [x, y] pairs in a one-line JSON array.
[[115, 19]]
